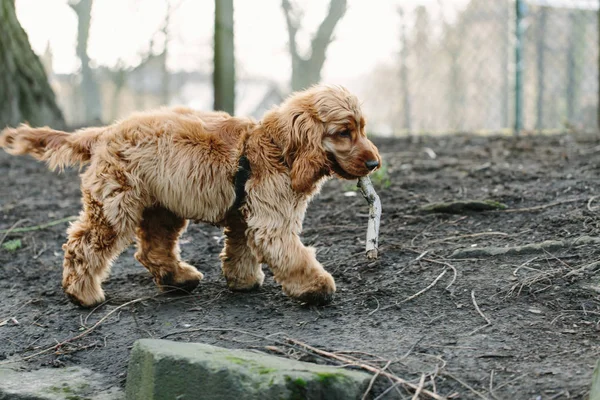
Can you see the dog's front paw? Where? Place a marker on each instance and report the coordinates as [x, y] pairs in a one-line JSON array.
[[317, 290], [185, 279], [84, 295]]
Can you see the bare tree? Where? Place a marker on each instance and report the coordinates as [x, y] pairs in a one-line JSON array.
[[453, 43], [26, 93], [576, 50], [541, 65], [224, 61], [404, 71], [306, 70], [89, 87]]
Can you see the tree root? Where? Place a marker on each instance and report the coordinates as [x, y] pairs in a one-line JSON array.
[[548, 245], [463, 206]]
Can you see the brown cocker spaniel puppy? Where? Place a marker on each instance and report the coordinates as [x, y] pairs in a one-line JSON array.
[[151, 172]]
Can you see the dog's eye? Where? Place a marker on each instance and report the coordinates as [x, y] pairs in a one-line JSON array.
[[345, 133]]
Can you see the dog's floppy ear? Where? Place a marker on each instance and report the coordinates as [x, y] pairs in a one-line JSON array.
[[308, 157]]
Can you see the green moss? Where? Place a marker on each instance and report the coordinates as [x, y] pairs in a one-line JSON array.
[[265, 371], [12, 245], [329, 378], [300, 382], [68, 392], [297, 387], [237, 360], [60, 389]]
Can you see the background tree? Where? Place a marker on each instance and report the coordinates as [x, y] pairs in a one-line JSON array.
[[89, 91], [224, 61], [541, 65], [576, 48], [452, 42], [406, 100], [26, 93], [420, 45], [306, 70]]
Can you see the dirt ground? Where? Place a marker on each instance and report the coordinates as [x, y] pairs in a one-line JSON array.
[[543, 307]]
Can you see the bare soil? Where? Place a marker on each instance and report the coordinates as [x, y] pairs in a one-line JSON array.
[[543, 307]]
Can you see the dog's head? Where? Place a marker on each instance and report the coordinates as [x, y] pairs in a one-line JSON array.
[[325, 132]]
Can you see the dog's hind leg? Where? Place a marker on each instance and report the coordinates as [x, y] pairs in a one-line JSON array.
[[158, 250], [240, 267], [93, 243]]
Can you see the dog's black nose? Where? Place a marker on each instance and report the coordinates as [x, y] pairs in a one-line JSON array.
[[372, 164]]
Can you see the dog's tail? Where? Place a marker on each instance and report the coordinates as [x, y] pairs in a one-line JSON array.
[[59, 149]]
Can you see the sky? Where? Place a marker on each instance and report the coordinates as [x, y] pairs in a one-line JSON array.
[[368, 34], [121, 29]]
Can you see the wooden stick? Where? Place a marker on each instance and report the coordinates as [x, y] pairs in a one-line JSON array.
[[368, 192], [366, 367]]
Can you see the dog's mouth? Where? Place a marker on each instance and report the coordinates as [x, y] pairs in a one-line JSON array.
[[337, 169]]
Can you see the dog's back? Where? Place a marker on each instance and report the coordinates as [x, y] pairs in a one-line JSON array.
[[178, 157]]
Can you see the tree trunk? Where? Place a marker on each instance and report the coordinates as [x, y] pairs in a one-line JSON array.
[[404, 73], [88, 88], [306, 71], [224, 61], [541, 66], [26, 93], [505, 90], [575, 54]]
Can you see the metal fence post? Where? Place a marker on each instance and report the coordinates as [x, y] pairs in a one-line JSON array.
[[520, 13]]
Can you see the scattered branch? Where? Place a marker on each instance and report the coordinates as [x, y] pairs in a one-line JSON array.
[[11, 229], [373, 379], [488, 322], [589, 204], [481, 395], [365, 367], [82, 334], [420, 292]]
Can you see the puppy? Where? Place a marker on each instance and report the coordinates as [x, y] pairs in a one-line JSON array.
[[148, 174]]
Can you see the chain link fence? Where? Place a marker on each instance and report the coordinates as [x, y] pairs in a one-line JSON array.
[[497, 65]]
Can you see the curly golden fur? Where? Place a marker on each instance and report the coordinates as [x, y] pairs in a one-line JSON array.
[[150, 173]]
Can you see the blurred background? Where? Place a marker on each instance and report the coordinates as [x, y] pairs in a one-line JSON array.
[[419, 66]]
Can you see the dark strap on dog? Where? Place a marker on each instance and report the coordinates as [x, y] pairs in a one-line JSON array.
[[241, 177]]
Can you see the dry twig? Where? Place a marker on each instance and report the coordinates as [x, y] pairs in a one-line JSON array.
[[420, 292], [373, 379], [365, 367], [589, 204], [82, 334], [420, 388], [481, 395], [488, 322], [11, 229]]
